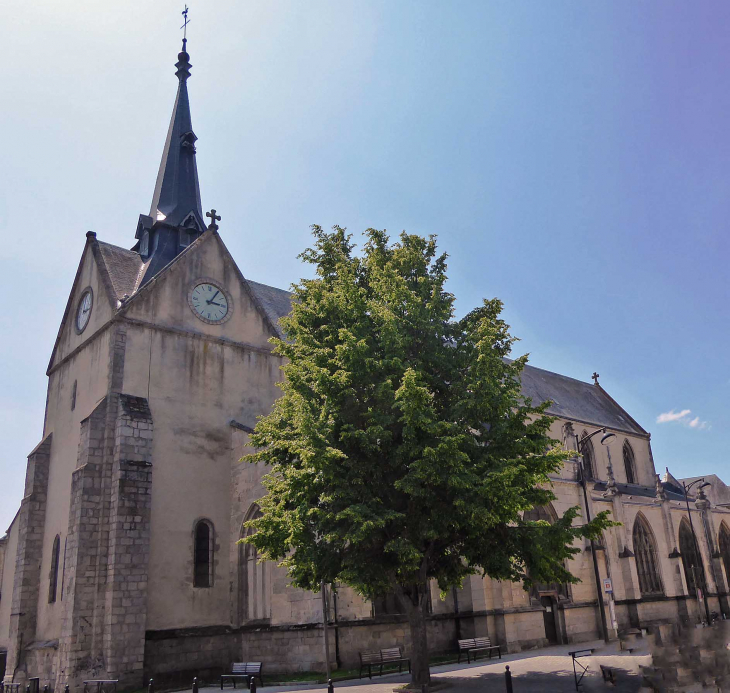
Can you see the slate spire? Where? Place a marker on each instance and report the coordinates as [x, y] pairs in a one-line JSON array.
[[176, 214], [177, 192]]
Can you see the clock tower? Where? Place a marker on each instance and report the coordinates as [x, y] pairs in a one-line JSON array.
[[134, 496]]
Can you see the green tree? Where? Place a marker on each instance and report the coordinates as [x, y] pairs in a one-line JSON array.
[[402, 450]]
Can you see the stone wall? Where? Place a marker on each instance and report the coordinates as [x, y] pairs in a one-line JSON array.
[[129, 541], [175, 657], [26, 580]]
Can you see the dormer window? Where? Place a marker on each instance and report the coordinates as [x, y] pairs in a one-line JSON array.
[[144, 244]]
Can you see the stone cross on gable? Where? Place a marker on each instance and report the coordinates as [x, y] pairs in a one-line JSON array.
[[213, 218], [595, 377]]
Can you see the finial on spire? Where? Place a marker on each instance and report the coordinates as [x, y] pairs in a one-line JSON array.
[[213, 218], [184, 27], [183, 59]]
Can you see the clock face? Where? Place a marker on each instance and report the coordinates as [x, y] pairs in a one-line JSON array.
[[210, 302], [83, 312]]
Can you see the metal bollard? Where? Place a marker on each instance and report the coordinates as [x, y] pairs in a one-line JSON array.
[[45, 688], [508, 679], [151, 687], [65, 689], [330, 686], [253, 684], [195, 685]]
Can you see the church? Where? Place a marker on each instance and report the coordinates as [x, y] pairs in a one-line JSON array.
[[123, 561]]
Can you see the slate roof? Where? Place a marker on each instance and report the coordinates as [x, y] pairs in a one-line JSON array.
[[576, 400], [275, 302], [123, 267]]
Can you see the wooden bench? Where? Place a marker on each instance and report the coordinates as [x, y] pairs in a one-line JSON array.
[[474, 645], [243, 670], [10, 687], [100, 685], [379, 658], [608, 673]]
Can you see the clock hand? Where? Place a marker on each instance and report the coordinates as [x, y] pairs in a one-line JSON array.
[[215, 304], [213, 298]]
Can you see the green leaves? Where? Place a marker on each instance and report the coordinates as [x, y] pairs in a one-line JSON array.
[[401, 448]]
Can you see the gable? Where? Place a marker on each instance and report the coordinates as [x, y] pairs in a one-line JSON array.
[[166, 300], [91, 276]]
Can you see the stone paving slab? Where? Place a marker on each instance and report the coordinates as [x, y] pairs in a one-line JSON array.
[[548, 670]]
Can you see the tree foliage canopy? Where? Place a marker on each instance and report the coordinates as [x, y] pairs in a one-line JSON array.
[[402, 448]]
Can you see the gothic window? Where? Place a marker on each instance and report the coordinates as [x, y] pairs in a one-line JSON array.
[[254, 578], [391, 605], [203, 554], [388, 605], [647, 565], [53, 575], [548, 514], [724, 542], [73, 395], [693, 571], [629, 463], [589, 457]]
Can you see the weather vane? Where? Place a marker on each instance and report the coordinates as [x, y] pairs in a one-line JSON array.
[[184, 27]]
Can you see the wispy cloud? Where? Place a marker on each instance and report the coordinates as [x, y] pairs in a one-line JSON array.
[[683, 418], [696, 423], [673, 415]]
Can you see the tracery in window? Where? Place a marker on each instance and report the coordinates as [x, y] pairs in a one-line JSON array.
[[203, 554], [724, 545], [254, 577], [647, 565], [548, 514], [629, 463], [693, 571], [53, 575]]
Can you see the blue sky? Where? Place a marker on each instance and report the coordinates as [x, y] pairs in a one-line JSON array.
[[573, 158]]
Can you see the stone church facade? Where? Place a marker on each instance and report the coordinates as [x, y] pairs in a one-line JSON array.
[[122, 561]]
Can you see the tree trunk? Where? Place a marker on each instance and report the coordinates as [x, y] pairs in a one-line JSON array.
[[420, 673]]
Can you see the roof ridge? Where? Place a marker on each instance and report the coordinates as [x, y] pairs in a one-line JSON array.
[[567, 377]]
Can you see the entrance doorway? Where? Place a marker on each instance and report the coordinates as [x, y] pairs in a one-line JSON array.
[[549, 615]]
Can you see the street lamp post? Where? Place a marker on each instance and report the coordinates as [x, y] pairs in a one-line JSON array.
[[606, 439], [687, 487]]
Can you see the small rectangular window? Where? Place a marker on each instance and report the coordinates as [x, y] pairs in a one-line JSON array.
[[73, 396]]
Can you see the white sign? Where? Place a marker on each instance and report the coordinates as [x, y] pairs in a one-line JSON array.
[[608, 585]]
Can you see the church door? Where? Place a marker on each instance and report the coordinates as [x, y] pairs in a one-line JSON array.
[[550, 617]]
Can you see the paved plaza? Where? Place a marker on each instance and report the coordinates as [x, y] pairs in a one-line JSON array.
[[547, 670]]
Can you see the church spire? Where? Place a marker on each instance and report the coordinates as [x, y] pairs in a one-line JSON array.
[[176, 214], [177, 192]]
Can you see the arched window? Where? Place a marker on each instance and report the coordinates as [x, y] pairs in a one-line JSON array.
[[254, 578], [629, 463], [724, 543], [53, 575], [694, 573], [647, 565], [203, 554], [589, 456], [548, 514]]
